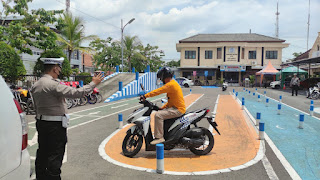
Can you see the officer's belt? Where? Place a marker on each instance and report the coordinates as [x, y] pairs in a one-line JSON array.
[[50, 118]]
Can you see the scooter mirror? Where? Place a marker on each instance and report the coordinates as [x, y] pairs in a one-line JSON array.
[[141, 86]]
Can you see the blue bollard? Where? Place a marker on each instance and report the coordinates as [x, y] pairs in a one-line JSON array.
[[254, 94], [81, 83], [117, 68], [160, 158], [236, 95], [265, 92], [267, 102], [261, 131], [249, 92], [190, 91], [280, 98], [311, 102], [279, 108], [242, 107], [233, 90], [311, 109], [258, 118], [301, 120], [120, 120], [259, 100]]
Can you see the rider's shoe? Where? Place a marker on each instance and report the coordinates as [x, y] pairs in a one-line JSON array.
[[157, 141]]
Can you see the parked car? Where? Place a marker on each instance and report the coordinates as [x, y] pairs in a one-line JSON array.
[[184, 81], [275, 84], [15, 158]]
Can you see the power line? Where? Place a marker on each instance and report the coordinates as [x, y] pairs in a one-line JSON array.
[[91, 16]]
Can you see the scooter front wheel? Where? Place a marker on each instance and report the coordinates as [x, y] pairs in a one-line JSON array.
[[132, 144], [206, 147]]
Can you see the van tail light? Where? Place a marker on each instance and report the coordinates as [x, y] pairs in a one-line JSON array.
[[24, 125]]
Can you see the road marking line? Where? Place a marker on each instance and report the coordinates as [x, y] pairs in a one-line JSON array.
[[103, 154], [65, 157], [119, 106], [95, 112], [214, 112], [291, 171], [268, 167], [120, 101], [106, 116], [34, 139]]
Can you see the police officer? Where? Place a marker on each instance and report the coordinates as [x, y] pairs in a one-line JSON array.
[[52, 119]]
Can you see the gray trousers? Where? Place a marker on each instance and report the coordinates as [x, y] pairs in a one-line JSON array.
[[162, 115]]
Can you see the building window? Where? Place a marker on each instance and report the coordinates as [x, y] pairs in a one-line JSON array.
[[219, 53], [242, 53], [208, 54], [252, 54], [272, 55], [190, 54]]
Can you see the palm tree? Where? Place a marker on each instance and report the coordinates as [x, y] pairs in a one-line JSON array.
[[131, 46], [72, 34]]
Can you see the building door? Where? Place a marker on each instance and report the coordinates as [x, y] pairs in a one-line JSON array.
[[232, 77]]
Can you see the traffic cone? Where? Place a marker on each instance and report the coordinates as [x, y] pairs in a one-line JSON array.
[[284, 87]]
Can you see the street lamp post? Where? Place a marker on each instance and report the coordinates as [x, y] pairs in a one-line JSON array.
[[122, 28]]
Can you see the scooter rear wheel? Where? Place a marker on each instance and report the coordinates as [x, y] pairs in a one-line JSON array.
[[132, 144], [207, 146]]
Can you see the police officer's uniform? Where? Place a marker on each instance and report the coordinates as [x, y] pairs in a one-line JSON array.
[[52, 120]]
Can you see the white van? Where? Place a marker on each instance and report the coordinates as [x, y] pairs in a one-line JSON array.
[[14, 156]]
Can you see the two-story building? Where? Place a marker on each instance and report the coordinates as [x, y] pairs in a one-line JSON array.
[[232, 57]]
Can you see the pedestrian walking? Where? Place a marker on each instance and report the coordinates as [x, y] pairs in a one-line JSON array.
[[294, 84], [51, 117]]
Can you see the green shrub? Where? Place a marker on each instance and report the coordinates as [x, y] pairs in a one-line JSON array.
[[85, 77], [11, 66]]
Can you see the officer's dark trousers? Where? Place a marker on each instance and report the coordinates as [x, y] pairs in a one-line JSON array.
[[295, 88], [52, 138]]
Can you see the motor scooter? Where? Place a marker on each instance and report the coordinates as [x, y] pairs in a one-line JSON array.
[[180, 132], [224, 86]]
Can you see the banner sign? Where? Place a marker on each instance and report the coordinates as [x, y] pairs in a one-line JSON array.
[[194, 73], [231, 68]]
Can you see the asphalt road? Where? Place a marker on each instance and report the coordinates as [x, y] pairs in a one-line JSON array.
[[84, 161]]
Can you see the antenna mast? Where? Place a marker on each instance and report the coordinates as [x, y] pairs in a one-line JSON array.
[[308, 27], [277, 22], [67, 5]]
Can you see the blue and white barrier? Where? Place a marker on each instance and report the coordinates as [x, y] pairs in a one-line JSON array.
[[120, 120], [267, 102], [311, 109], [301, 120], [236, 95], [265, 93], [110, 76], [133, 89], [261, 131], [259, 99], [258, 118], [280, 98], [160, 158], [244, 89], [279, 109], [190, 91], [311, 102]]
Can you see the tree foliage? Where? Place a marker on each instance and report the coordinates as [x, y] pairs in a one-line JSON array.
[[72, 34], [28, 28], [107, 53], [11, 66], [53, 53], [173, 63], [296, 54]]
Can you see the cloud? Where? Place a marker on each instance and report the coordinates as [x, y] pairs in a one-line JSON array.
[[164, 23]]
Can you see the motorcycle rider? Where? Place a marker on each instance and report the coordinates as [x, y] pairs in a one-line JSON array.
[[175, 107]]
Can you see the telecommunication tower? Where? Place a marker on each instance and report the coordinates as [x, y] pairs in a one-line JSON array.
[[67, 5], [277, 22]]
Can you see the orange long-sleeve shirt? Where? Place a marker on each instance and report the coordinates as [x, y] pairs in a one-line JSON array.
[[174, 94]]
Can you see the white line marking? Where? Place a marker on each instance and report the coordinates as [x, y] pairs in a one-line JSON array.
[[104, 155], [214, 112], [120, 101], [95, 112], [65, 157], [272, 175], [34, 139], [119, 106], [277, 126], [105, 116]]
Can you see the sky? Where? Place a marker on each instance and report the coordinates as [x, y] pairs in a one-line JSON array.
[[165, 22]]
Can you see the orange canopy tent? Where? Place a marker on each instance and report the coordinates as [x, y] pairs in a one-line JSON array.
[[269, 69]]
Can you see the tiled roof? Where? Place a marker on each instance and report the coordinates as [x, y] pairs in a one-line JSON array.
[[241, 37]]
